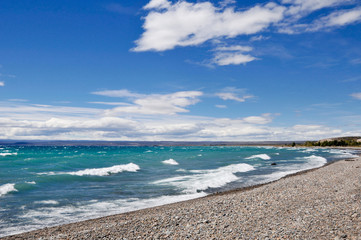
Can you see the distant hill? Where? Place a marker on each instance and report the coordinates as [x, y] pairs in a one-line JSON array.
[[338, 141]]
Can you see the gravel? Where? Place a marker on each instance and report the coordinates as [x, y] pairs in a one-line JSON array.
[[319, 204]]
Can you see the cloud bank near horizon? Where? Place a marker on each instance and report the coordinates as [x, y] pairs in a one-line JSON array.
[[153, 121]]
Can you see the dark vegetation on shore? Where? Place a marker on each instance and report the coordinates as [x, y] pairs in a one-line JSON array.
[[335, 142]]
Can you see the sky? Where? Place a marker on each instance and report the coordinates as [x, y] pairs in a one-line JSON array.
[[206, 70]]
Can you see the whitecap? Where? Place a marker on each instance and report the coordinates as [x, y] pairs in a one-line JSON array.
[[8, 154], [170, 161], [7, 188], [204, 179], [261, 156], [47, 202], [130, 167], [32, 182]]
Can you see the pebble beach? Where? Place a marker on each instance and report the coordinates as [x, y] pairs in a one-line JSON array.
[[323, 203]]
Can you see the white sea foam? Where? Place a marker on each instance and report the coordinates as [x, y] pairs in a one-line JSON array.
[[8, 154], [204, 179], [309, 150], [170, 162], [261, 156], [56, 215], [47, 202], [32, 182], [7, 188], [341, 153], [130, 167], [313, 161]]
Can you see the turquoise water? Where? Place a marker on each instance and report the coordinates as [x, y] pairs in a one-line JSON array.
[[47, 186]]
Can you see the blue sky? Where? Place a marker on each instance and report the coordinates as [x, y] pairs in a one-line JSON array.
[[180, 70]]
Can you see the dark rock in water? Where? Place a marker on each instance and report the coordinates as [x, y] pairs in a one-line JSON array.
[[273, 163]]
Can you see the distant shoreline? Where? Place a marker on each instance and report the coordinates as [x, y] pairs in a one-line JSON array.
[[145, 143]]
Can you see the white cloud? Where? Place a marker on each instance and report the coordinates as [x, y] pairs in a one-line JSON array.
[[264, 119], [111, 103], [337, 19], [356, 95], [231, 93], [179, 23], [154, 104], [122, 93], [258, 38], [232, 55], [306, 6], [168, 25], [2, 84]]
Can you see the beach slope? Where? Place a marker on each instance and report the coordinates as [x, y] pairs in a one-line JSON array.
[[320, 204]]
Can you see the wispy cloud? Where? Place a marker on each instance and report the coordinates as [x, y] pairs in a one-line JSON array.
[[151, 104], [232, 55], [356, 95], [2, 84], [235, 94], [111, 103], [336, 19]]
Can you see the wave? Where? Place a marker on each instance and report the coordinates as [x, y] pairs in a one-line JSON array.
[[130, 167], [47, 202], [8, 154], [261, 156], [32, 182], [170, 162], [203, 179], [7, 188], [314, 161]]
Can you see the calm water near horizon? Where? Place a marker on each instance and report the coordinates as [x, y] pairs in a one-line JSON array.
[[53, 185]]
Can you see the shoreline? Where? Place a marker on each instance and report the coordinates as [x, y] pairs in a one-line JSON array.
[[91, 226]]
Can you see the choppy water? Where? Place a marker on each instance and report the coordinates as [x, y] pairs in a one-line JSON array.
[[47, 186]]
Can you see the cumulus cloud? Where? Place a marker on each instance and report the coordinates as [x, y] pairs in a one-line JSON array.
[[171, 24], [182, 23], [232, 93], [356, 95], [2, 84]]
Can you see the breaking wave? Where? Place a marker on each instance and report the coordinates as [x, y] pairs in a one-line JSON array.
[[8, 154], [170, 162], [261, 156], [130, 167], [203, 179], [7, 188]]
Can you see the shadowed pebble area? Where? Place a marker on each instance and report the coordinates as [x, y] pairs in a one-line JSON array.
[[319, 204]]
